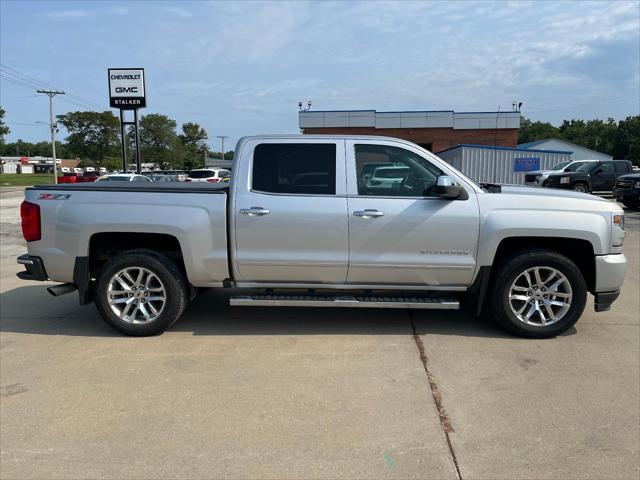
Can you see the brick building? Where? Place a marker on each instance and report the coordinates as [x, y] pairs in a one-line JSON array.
[[433, 130]]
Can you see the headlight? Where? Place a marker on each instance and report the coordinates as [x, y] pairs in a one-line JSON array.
[[565, 180], [636, 184], [617, 231]]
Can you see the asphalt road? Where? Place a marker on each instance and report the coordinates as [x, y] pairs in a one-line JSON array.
[[303, 393]]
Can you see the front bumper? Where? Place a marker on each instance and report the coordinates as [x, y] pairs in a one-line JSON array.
[[622, 194], [34, 268], [610, 271]]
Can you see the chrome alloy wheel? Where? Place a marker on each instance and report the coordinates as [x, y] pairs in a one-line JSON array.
[[136, 295], [540, 296]]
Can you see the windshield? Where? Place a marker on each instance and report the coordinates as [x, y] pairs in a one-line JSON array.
[[575, 166], [587, 167], [560, 166]]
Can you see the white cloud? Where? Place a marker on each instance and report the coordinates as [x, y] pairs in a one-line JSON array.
[[119, 11], [69, 14], [177, 11]]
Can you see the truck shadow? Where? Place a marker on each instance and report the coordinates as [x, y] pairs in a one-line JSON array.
[[30, 310]]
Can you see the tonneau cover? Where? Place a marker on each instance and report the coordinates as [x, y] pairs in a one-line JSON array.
[[147, 187]]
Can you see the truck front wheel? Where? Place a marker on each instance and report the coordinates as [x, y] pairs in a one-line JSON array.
[[581, 187], [538, 293], [141, 293]]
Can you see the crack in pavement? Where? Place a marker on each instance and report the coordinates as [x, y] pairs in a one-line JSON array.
[[445, 421]]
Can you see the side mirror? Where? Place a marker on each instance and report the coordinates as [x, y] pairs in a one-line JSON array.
[[447, 189]]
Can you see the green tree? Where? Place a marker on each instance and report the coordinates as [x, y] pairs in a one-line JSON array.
[[4, 130], [627, 140], [159, 141], [532, 131], [193, 139], [92, 135]]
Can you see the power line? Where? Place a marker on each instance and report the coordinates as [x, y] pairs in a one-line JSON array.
[[28, 81]]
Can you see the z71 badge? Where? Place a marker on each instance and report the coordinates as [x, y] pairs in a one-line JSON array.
[[54, 196]]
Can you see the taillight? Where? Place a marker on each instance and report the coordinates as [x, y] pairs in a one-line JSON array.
[[30, 214], [213, 180]]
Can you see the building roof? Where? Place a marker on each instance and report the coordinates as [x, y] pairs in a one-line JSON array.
[[408, 119], [490, 147], [528, 145]]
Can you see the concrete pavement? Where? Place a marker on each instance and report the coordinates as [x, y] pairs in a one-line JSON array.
[[302, 393]]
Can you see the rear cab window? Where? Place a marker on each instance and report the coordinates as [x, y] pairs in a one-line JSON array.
[[294, 168]]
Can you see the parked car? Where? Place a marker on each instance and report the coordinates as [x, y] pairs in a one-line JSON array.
[[163, 177], [627, 190], [593, 177], [181, 175], [103, 170], [388, 178], [65, 170], [538, 178], [211, 175], [68, 177], [78, 170], [525, 256], [124, 177], [87, 176]]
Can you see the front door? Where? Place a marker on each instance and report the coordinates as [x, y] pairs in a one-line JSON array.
[[603, 177], [290, 213], [403, 233]]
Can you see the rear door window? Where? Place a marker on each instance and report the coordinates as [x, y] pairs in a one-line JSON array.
[[621, 167], [295, 168]]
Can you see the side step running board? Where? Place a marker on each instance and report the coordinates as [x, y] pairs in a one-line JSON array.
[[344, 301]]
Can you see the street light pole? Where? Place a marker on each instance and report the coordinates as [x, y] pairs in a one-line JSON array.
[[222, 137], [52, 125]]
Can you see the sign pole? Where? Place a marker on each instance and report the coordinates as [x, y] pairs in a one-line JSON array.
[[137, 127], [123, 133]]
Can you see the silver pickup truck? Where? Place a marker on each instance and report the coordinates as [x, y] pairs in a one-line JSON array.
[[327, 221]]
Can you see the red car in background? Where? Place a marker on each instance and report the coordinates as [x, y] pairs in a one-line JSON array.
[[67, 178], [78, 177]]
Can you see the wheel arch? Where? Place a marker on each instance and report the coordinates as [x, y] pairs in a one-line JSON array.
[[579, 251], [104, 245]]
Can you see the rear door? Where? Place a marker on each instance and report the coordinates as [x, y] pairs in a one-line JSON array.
[[290, 212], [405, 234]]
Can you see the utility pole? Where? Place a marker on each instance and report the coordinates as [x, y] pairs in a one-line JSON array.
[[222, 137], [205, 155], [52, 125]]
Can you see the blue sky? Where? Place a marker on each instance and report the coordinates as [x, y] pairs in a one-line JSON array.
[[240, 68]]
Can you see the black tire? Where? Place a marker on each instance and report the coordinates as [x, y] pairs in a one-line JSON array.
[[515, 264], [545, 183], [580, 187], [176, 290]]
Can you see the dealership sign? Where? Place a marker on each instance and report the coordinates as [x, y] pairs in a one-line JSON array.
[[526, 164], [126, 88]]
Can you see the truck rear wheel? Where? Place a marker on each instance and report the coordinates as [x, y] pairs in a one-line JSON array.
[[538, 293], [141, 293]]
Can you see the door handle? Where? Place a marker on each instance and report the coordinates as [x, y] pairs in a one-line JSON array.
[[254, 211], [368, 213]]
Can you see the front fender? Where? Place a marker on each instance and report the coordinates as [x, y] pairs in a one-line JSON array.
[[498, 225]]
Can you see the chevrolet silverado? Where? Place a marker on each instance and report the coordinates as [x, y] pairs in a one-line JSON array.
[[302, 224]]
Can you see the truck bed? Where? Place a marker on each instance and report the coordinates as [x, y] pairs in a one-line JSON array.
[[75, 216]]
